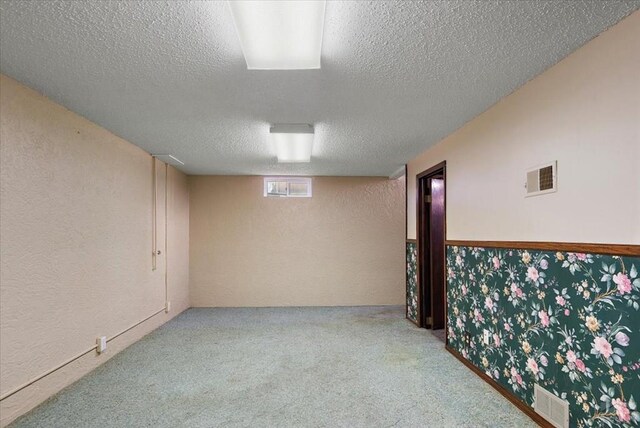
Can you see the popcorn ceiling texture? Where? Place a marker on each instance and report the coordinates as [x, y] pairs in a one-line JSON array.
[[396, 77]]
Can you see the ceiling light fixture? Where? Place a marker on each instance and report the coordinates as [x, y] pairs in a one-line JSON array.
[[280, 35], [293, 142]]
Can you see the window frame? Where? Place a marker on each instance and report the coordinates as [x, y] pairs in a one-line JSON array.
[[289, 180]]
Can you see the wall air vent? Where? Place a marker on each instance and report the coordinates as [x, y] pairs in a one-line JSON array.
[[551, 407], [541, 179]]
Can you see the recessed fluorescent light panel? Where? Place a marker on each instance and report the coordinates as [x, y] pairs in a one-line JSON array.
[[293, 143], [280, 35]]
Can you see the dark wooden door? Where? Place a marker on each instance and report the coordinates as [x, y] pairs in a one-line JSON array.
[[431, 236], [424, 246], [437, 252]]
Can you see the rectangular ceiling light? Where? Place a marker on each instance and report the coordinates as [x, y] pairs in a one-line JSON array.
[[280, 35], [293, 143]]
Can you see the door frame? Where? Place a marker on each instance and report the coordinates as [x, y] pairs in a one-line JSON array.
[[438, 169]]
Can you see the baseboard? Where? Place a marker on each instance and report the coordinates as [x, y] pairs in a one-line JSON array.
[[371, 305], [502, 390], [32, 396]]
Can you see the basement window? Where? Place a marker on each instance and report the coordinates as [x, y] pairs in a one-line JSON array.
[[287, 187]]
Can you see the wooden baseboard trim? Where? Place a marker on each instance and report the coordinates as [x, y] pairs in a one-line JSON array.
[[502, 390], [611, 249]]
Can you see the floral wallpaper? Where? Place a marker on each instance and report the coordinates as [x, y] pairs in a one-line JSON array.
[[567, 321], [412, 281]]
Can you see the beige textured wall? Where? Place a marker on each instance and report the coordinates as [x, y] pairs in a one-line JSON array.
[[343, 246], [585, 113], [75, 227]]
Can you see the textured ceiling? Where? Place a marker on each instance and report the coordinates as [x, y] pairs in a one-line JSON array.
[[396, 76]]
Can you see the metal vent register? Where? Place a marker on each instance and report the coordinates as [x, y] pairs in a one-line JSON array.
[[551, 407], [541, 179]]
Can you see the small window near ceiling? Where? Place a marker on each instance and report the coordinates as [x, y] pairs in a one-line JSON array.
[[287, 187]]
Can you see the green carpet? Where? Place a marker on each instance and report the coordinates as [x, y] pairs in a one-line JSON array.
[[281, 367]]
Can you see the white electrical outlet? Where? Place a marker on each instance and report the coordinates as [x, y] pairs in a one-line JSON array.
[[101, 343], [167, 307], [486, 337]]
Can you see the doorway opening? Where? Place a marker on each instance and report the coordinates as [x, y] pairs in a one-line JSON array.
[[431, 234]]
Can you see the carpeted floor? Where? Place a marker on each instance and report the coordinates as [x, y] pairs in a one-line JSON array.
[[441, 334], [281, 367]]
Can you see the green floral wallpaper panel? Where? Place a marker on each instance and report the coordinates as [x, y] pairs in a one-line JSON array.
[[568, 321], [412, 281]]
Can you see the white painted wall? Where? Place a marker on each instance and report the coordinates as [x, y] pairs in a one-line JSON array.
[[75, 210], [585, 113], [344, 246]]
